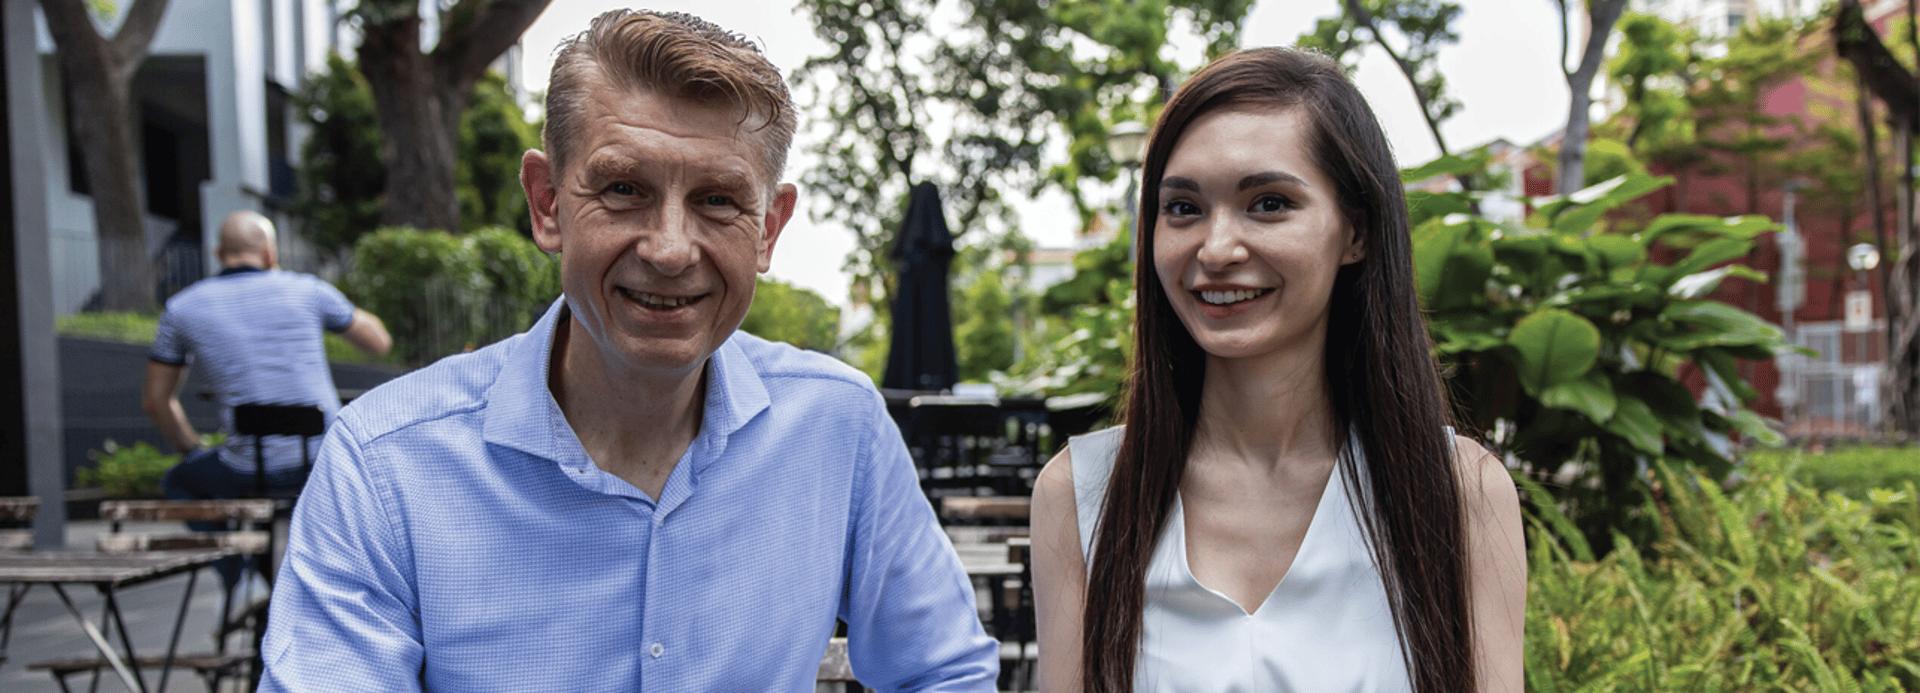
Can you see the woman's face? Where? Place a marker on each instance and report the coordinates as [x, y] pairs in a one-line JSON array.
[[1250, 234]]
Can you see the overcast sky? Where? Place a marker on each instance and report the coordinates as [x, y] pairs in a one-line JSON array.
[[1505, 72]]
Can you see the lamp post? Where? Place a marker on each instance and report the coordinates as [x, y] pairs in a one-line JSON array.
[[1127, 144]]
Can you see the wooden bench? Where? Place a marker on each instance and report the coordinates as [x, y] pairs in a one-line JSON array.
[[211, 667], [978, 509]]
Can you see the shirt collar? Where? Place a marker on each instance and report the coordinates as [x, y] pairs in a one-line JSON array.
[[522, 413], [240, 269]]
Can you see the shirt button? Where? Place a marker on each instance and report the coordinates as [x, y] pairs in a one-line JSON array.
[[658, 650]]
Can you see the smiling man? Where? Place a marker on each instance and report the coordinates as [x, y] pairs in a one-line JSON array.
[[631, 495]]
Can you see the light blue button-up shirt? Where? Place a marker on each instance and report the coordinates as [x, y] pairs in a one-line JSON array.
[[456, 537]]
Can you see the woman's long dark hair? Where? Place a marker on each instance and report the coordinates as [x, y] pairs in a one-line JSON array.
[[1381, 377]]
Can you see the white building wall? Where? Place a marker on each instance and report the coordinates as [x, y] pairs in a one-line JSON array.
[[241, 50]]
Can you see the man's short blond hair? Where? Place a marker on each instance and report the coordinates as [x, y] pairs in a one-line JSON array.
[[676, 55]]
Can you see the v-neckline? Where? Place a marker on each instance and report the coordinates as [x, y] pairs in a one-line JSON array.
[[1335, 479]]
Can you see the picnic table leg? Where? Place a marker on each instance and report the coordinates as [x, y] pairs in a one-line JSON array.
[[100, 642], [120, 622], [15, 593], [179, 623]]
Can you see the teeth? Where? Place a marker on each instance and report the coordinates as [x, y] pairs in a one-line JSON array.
[[1221, 298], [657, 301]]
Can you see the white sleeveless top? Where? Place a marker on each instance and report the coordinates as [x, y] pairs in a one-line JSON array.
[[1326, 628]]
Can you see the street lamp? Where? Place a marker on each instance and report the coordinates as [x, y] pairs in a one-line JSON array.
[[1127, 144]]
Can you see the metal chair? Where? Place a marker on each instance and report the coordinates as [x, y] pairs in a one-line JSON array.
[[255, 419]]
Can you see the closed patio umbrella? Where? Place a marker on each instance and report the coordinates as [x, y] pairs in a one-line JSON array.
[[920, 356]]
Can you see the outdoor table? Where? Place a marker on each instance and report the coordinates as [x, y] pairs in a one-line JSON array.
[[108, 573]]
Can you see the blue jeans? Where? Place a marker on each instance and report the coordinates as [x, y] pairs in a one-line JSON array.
[[201, 476]]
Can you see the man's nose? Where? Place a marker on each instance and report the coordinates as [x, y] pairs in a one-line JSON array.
[[670, 246]]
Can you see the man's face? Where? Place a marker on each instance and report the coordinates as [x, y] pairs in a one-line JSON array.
[[663, 217]]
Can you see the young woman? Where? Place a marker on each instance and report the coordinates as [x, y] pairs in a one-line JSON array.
[[1286, 508]]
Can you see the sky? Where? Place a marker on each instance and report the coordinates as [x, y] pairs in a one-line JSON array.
[[1505, 71]]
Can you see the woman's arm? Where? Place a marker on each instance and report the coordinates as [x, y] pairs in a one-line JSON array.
[[1059, 575], [1496, 565]]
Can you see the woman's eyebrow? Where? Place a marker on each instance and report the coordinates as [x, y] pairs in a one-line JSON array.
[[1268, 177], [1179, 183]]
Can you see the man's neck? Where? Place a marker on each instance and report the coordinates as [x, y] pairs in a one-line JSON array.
[[634, 425]]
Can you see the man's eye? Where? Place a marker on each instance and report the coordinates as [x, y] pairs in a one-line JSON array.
[[622, 189], [717, 201]]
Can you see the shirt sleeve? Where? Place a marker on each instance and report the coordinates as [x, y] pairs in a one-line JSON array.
[[336, 312], [910, 612], [169, 345], [344, 616]]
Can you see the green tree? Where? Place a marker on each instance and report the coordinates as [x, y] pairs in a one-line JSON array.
[[420, 93], [494, 133], [1420, 27], [341, 172], [1013, 75], [345, 177], [782, 312], [983, 331]]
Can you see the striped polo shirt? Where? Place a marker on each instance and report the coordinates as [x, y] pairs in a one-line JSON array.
[[255, 334]]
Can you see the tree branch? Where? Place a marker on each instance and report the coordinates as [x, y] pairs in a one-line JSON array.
[[131, 42], [465, 51], [1365, 19], [1855, 40]]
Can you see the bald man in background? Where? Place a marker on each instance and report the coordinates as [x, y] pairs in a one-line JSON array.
[[256, 333]]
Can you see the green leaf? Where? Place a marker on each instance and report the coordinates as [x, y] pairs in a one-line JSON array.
[[1577, 213], [1555, 346], [1547, 508], [1449, 165], [1617, 251], [1634, 421], [1452, 262], [1712, 323], [1592, 394], [1689, 230], [1750, 423], [1700, 284], [1711, 253], [1423, 206]]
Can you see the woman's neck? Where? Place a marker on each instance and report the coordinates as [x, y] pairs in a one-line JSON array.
[[1267, 409]]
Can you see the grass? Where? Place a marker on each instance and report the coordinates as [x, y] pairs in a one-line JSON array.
[[135, 328]]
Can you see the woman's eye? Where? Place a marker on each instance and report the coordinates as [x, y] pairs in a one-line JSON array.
[[1271, 204], [1181, 208]]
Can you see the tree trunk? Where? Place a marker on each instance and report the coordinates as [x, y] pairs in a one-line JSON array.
[[1902, 385], [97, 72], [1572, 160], [419, 97]]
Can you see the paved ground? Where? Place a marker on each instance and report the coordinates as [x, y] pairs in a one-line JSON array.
[[44, 630]]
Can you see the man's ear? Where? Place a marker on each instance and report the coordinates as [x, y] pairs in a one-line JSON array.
[[543, 199], [785, 198]]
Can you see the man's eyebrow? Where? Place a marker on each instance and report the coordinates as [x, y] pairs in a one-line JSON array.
[[607, 167], [1267, 177]]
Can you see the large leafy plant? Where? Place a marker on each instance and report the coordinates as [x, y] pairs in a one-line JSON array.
[[1571, 345], [442, 294]]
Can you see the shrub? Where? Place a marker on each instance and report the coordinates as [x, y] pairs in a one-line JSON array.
[[1851, 471], [1773, 585], [127, 472], [441, 294], [1565, 337]]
